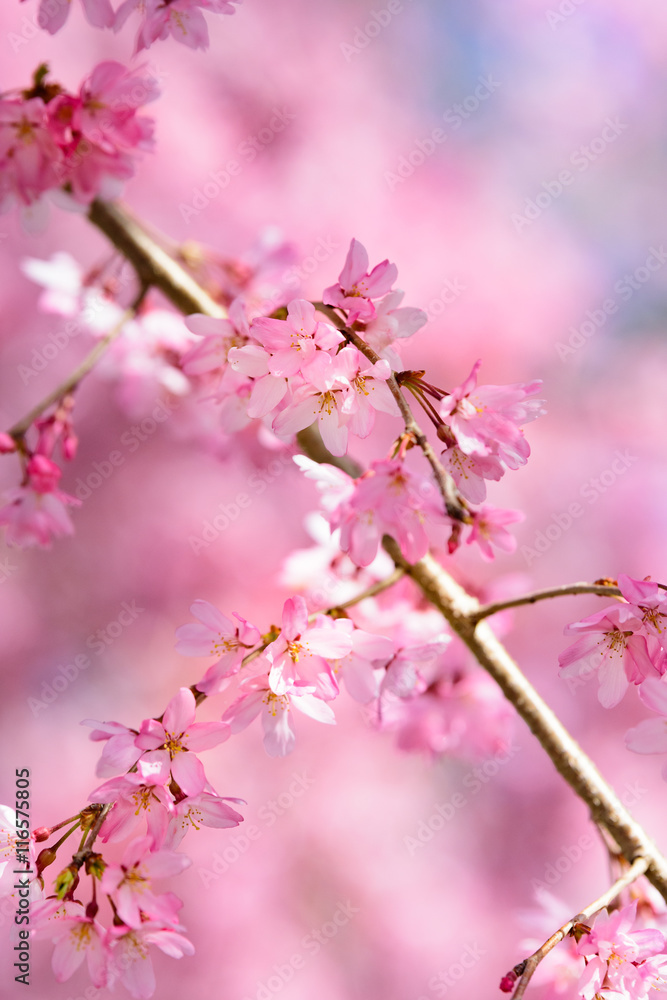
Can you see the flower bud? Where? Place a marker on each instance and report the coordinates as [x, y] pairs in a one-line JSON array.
[[41, 833], [67, 881], [44, 859]]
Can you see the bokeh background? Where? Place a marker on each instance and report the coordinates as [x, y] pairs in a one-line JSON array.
[[510, 269]]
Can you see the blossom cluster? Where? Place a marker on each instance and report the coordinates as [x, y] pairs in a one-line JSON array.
[[155, 788], [333, 363], [624, 957], [73, 147], [160, 19], [626, 644]]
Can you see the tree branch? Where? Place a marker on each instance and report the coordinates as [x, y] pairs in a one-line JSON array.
[[530, 965], [19, 429], [457, 606], [604, 590]]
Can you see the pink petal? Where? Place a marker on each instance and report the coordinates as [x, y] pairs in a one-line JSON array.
[[279, 737], [295, 618], [188, 772], [653, 693], [314, 707], [204, 735], [355, 266], [650, 736], [180, 712]]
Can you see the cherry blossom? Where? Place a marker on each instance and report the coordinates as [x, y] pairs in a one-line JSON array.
[[130, 957], [135, 797], [292, 343], [37, 511], [392, 322], [77, 936], [257, 696], [388, 498], [182, 19], [217, 636], [649, 603], [173, 743], [129, 883], [301, 651], [613, 950], [488, 529], [196, 811], [611, 643], [30, 159], [120, 752], [357, 287]]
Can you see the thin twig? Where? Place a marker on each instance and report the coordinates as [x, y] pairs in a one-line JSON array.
[[634, 872], [371, 591], [19, 429], [603, 590], [80, 857]]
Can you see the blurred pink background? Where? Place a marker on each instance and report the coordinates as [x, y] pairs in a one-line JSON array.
[[540, 92]]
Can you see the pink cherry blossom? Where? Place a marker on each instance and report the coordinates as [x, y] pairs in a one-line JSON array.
[[37, 512], [388, 498], [135, 797], [76, 937], [257, 697], [470, 472], [30, 159], [173, 743], [613, 950], [392, 322], [130, 957], [106, 113], [216, 636], [301, 651], [488, 529], [200, 810], [129, 883], [292, 343], [485, 419], [649, 603], [611, 643], [342, 393], [182, 19], [362, 669], [209, 356], [120, 751], [357, 287]]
